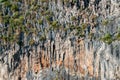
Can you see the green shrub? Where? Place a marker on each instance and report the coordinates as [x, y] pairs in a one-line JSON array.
[[65, 29], [17, 22], [74, 1], [91, 35], [107, 38], [79, 29], [15, 15], [6, 19], [40, 21], [23, 28], [84, 25], [105, 22], [79, 32], [3, 0], [46, 12], [117, 37], [31, 42], [7, 4], [66, 1], [49, 18], [15, 7], [11, 38], [44, 1], [73, 18], [54, 23], [72, 27], [42, 38], [21, 18]]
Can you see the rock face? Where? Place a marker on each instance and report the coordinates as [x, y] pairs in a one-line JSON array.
[[60, 40]]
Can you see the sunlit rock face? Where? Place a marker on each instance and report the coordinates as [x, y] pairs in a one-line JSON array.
[[60, 40]]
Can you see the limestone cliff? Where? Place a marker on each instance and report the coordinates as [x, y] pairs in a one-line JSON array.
[[59, 40]]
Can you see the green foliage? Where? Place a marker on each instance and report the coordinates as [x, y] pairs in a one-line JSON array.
[[6, 19], [11, 20], [105, 22], [12, 24], [93, 17], [15, 15], [40, 21], [55, 25], [32, 30], [42, 38], [21, 18], [107, 38], [66, 1], [15, 7], [46, 12], [36, 7], [48, 18], [81, 35], [74, 1], [27, 14], [31, 42], [11, 38], [23, 28], [79, 29], [84, 25], [32, 7], [44, 1], [7, 4], [91, 35], [72, 27], [17, 22], [4, 37], [8, 39], [117, 37], [73, 18], [80, 32], [3, 0], [65, 29]]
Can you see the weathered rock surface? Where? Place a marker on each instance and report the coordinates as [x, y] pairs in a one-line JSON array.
[[63, 55]]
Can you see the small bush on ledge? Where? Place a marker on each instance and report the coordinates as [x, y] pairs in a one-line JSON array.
[[107, 38], [105, 22]]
